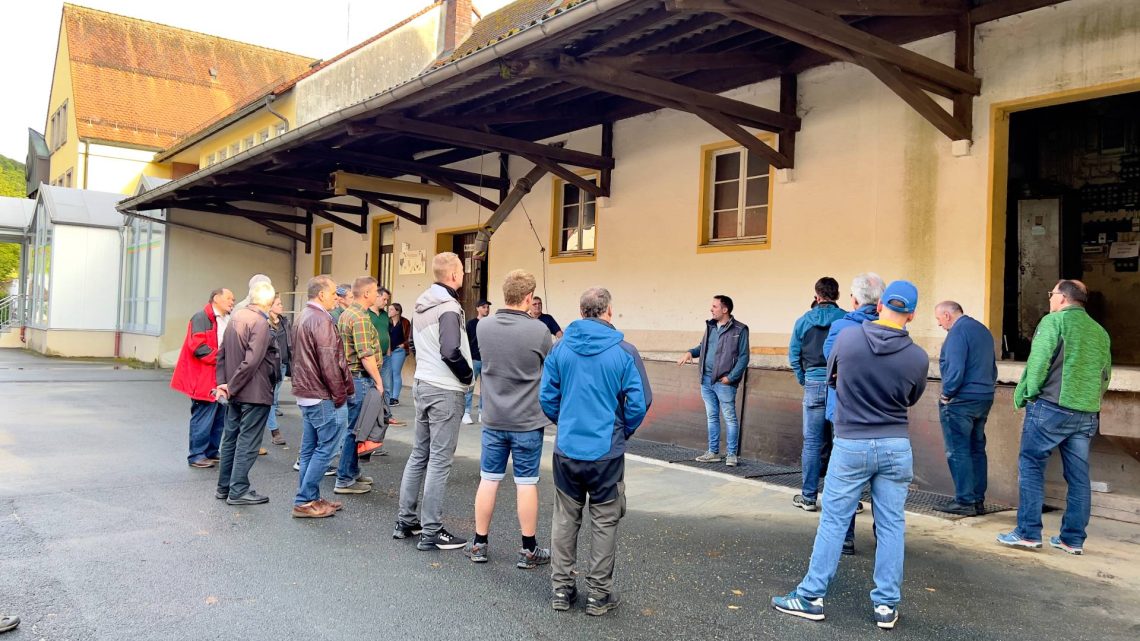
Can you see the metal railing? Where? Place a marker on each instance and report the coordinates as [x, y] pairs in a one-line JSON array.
[[11, 311]]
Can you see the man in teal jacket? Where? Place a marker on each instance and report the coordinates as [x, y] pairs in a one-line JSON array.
[[1064, 380], [595, 388]]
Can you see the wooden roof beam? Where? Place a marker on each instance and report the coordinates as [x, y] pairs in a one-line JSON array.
[[283, 230], [689, 62], [889, 7], [390, 208], [892, 77], [410, 167]]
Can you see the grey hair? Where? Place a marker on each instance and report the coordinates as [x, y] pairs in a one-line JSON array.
[[262, 294], [867, 288], [594, 302], [950, 306]]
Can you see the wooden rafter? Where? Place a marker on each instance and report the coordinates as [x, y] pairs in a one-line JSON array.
[[460, 190], [688, 62], [888, 7], [747, 140], [916, 98], [390, 208], [410, 167], [360, 228], [283, 230], [587, 186]]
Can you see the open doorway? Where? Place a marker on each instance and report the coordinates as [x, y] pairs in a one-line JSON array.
[[1073, 211], [462, 242]]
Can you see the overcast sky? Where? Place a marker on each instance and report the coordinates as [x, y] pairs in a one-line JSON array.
[[316, 28]]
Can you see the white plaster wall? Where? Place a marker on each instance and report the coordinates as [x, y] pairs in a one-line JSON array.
[[111, 169], [875, 188], [84, 278]]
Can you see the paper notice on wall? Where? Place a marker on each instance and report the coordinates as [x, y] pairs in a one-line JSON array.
[[412, 262], [1124, 249]]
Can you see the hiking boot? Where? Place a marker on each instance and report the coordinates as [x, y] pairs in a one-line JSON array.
[[563, 598], [312, 510], [1014, 540], [708, 457], [277, 438], [249, 498], [442, 540], [1075, 550], [798, 606], [731, 460], [886, 616], [806, 505], [531, 559], [406, 530], [597, 605], [477, 552], [954, 507], [355, 488], [849, 548]]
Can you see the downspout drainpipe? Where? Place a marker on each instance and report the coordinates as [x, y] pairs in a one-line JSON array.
[[269, 107], [119, 302]]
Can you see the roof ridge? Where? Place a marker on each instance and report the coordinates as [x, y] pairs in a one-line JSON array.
[[67, 5]]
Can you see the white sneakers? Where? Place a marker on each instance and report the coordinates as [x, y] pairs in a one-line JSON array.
[[467, 419]]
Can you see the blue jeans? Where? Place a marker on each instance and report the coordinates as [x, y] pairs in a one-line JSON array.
[[523, 448], [964, 431], [720, 399], [816, 437], [887, 463], [1047, 426], [395, 363], [477, 367], [321, 427], [207, 419], [272, 422], [349, 469]]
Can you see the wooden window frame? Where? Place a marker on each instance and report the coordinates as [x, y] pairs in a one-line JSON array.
[[556, 255], [318, 247], [705, 243], [377, 222]]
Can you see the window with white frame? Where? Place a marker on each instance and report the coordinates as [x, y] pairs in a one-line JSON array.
[[280, 129], [235, 149], [248, 142], [223, 154], [737, 196], [58, 133], [144, 267], [211, 159], [263, 135], [576, 219], [324, 250]]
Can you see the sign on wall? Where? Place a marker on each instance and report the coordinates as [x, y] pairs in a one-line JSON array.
[[412, 261]]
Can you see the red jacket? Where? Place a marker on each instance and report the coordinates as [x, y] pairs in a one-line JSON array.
[[194, 375]]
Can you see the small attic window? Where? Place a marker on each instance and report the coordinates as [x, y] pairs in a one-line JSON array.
[[213, 73]]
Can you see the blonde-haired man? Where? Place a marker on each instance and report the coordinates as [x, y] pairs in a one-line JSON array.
[[443, 372], [513, 347]]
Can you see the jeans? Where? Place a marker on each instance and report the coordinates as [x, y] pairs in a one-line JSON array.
[[349, 468], [524, 449], [720, 399], [207, 420], [395, 363], [272, 422], [438, 416], [887, 463], [321, 426], [241, 439], [1047, 426], [964, 431], [477, 368], [817, 437]]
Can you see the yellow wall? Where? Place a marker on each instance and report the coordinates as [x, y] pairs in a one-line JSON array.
[[67, 156], [236, 132], [56, 342]]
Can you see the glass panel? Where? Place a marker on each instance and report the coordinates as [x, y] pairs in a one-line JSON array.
[[387, 234], [727, 195], [326, 263], [570, 217], [154, 289], [569, 194], [569, 240], [757, 192], [153, 311], [756, 221], [728, 166], [590, 215], [588, 235], [724, 224], [757, 166], [326, 240]]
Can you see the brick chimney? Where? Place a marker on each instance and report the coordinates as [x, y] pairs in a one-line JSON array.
[[456, 23]]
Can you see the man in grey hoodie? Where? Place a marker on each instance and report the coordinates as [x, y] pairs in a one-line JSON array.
[[443, 373], [513, 346]]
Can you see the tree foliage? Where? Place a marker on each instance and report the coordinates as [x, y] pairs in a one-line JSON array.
[[12, 178]]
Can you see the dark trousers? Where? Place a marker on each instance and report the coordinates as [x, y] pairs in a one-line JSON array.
[[600, 484], [207, 419], [964, 431], [241, 439]]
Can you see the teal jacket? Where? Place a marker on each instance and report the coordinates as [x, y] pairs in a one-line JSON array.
[[1069, 362]]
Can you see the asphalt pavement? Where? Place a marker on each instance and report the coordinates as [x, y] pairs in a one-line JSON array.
[[106, 533]]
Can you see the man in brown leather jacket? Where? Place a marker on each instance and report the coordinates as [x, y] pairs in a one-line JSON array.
[[322, 385], [248, 367]]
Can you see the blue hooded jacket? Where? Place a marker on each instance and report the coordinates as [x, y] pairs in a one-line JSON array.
[[853, 318], [805, 352], [595, 388]]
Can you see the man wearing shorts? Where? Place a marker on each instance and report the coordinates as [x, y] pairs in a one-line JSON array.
[[513, 347]]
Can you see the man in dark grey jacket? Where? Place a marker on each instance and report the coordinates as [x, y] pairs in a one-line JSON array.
[[513, 346], [248, 368]]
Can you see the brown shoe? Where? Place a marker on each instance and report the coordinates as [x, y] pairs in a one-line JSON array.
[[262, 452], [397, 422], [335, 505], [202, 463], [277, 438], [312, 510]]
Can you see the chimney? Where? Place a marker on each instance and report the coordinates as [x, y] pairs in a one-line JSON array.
[[456, 23]]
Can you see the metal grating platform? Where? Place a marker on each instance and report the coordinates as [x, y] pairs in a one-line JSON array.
[[917, 501]]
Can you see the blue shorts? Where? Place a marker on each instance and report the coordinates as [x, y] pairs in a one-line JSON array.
[[523, 448]]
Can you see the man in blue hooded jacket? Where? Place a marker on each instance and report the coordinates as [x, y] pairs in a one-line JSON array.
[[805, 354], [595, 388]]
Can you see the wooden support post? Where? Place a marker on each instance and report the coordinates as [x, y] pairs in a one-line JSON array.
[[608, 152], [916, 98], [787, 142], [964, 61]]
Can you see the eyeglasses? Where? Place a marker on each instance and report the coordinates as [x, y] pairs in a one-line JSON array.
[[1051, 293]]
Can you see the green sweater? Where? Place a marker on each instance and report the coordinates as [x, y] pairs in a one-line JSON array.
[[1069, 363], [382, 324]]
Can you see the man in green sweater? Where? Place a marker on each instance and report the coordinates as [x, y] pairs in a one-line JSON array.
[[1067, 374]]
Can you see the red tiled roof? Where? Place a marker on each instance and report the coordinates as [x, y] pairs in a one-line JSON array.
[[147, 84]]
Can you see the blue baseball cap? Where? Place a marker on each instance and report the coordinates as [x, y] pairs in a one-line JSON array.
[[341, 291], [901, 296]]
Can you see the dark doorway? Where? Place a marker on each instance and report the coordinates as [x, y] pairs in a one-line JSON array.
[[474, 284], [1073, 211]]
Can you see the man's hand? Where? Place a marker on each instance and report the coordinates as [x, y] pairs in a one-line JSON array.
[[222, 391], [379, 383], [724, 379], [687, 358]]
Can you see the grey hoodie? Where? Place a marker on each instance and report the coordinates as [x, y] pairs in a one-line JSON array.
[[513, 346], [443, 357]]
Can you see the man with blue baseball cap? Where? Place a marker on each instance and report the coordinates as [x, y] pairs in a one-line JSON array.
[[877, 373]]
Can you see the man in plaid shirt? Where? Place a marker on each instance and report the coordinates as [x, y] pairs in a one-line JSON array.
[[362, 350]]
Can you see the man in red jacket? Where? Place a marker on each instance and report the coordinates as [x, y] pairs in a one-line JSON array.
[[194, 376]]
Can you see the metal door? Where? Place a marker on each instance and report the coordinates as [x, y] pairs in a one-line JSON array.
[[1038, 259]]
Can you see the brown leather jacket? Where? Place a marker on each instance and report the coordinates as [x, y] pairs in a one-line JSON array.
[[319, 367]]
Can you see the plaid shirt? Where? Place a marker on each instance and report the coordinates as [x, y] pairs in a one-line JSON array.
[[359, 337]]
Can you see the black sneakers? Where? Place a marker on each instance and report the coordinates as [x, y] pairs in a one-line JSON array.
[[249, 498], [404, 530], [597, 605], [563, 598], [886, 616], [954, 507], [442, 540]]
